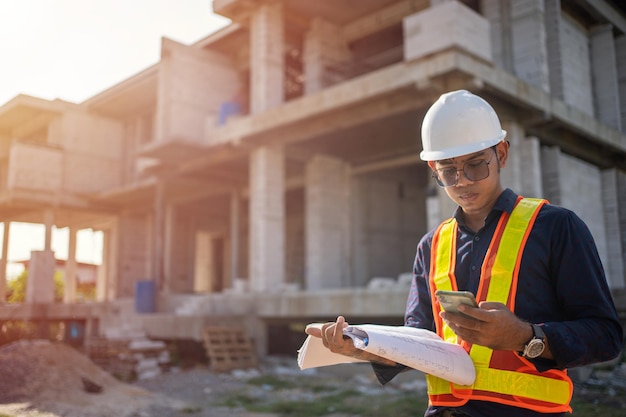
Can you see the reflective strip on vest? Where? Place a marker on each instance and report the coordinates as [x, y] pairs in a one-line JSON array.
[[549, 391]]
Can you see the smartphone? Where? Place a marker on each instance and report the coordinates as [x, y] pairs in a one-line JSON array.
[[450, 300]]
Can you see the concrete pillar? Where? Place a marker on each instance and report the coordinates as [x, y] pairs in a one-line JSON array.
[[48, 218], [113, 275], [614, 231], [267, 219], [620, 58], [69, 295], [102, 273], [439, 207], [3, 262], [327, 220], [326, 56], [530, 55], [169, 233], [511, 175], [523, 170], [604, 75], [621, 211], [106, 287], [498, 13], [531, 175], [550, 158], [235, 235], [40, 285], [554, 31], [158, 236], [267, 60]]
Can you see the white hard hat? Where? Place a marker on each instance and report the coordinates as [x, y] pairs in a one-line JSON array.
[[459, 123]]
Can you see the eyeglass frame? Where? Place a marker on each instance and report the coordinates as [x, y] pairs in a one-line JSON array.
[[437, 178]]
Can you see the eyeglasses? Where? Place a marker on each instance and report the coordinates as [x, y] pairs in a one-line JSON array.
[[474, 170]]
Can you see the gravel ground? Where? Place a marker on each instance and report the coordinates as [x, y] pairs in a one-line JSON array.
[[45, 379], [201, 393], [43, 385]]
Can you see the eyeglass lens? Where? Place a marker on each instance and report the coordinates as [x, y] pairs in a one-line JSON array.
[[473, 171]]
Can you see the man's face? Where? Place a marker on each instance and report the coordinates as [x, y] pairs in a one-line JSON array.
[[477, 177]]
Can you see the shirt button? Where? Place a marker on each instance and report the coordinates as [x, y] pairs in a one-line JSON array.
[[477, 238], [473, 267]]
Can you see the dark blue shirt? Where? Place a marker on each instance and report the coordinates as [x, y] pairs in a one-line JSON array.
[[561, 285]]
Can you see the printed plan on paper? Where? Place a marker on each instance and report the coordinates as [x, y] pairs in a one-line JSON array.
[[416, 348]]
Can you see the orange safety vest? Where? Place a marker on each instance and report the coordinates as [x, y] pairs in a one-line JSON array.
[[501, 376]]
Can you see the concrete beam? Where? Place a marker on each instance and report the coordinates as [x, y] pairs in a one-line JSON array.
[[609, 13], [382, 19]]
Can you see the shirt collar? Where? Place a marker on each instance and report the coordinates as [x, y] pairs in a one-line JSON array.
[[505, 202]]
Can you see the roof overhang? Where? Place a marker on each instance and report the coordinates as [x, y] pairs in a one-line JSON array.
[[133, 95], [24, 110]]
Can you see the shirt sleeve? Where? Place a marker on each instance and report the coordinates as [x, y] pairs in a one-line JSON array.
[[589, 330]]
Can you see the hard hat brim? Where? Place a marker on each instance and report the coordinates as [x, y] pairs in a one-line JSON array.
[[461, 150]]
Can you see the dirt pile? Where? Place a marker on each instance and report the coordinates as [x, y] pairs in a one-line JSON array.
[[57, 378]]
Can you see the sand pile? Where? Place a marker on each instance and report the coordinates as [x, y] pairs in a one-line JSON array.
[[57, 378]]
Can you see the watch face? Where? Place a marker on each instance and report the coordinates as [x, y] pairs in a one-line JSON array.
[[535, 348]]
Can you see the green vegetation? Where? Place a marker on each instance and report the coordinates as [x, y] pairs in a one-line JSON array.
[[331, 399], [16, 288]]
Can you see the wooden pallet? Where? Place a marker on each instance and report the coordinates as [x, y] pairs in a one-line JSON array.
[[228, 348]]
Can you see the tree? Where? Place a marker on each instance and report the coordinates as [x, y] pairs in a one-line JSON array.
[[16, 288]]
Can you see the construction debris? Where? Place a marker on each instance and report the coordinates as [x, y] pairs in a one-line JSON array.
[[129, 360]]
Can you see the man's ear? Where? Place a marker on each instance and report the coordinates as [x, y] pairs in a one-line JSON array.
[[431, 164], [502, 151]]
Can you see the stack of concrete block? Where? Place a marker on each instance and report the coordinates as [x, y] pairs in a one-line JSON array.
[[129, 360]]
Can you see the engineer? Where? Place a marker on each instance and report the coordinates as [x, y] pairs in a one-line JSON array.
[[544, 303]]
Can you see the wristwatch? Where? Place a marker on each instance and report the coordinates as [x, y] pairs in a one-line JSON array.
[[535, 346]]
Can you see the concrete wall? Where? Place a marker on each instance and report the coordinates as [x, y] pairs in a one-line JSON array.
[[446, 25], [133, 253], [92, 157], [389, 219], [498, 13], [577, 87], [35, 167], [614, 205], [138, 131], [326, 54], [605, 79], [192, 86], [84, 156], [578, 186], [181, 252], [529, 47], [620, 62]]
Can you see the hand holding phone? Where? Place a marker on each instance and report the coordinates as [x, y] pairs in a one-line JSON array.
[[451, 300]]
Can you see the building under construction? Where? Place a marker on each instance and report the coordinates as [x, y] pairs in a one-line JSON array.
[[268, 175]]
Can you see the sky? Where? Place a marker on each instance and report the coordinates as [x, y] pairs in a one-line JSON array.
[[75, 49]]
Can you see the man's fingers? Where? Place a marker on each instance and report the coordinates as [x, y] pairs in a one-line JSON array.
[[313, 330], [338, 330]]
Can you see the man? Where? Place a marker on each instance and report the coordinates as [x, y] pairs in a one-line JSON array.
[[544, 304]]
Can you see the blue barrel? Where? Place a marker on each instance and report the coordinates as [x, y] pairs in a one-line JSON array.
[[145, 297]]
